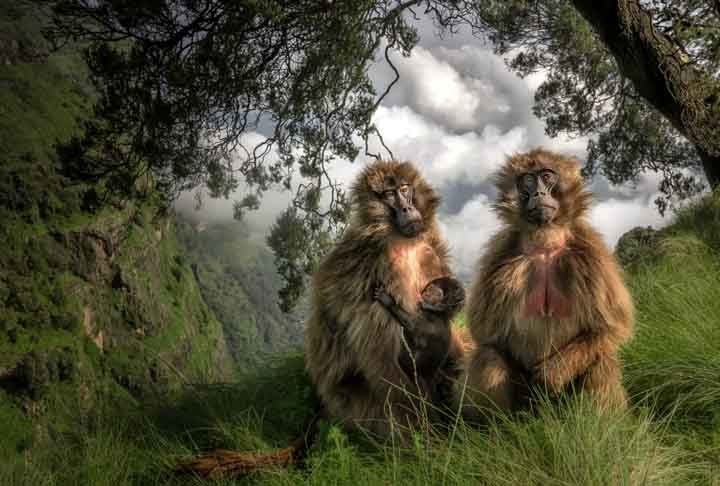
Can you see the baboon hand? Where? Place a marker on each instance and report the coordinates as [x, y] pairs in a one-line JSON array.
[[381, 295], [551, 372]]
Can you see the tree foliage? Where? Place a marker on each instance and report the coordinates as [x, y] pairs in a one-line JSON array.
[[640, 77], [297, 245], [184, 84]]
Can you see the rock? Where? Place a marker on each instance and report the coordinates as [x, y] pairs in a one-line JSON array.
[[637, 246], [99, 338]]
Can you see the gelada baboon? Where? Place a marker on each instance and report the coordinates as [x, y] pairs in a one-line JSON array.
[[548, 306], [355, 352], [428, 333], [354, 345]]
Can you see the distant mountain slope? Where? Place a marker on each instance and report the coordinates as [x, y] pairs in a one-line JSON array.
[[239, 282], [97, 306]]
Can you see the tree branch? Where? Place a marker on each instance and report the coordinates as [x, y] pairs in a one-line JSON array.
[[661, 72]]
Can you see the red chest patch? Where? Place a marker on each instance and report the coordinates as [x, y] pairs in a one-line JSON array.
[[544, 297]]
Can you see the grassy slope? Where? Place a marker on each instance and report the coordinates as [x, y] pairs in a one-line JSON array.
[[673, 365], [97, 309], [40, 99], [669, 437]]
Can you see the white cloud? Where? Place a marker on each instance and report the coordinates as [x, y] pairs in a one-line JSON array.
[[613, 217], [461, 89], [434, 88], [467, 232], [221, 209], [457, 112], [451, 101], [445, 157]]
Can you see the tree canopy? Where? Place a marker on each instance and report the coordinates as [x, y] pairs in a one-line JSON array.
[[640, 76], [182, 83]]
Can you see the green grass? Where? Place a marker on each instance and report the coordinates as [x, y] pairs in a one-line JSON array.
[[670, 436], [137, 444], [674, 359], [40, 102], [565, 444], [90, 430]]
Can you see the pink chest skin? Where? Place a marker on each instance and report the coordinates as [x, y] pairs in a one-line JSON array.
[[544, 298], [417, 264]]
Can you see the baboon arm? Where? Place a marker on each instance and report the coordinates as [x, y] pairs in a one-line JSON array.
[[618, 316], [605, 328], [494, 352], [437, 308], [609, 326], [570, 361], [374, 342], [405, 319], [614, 313]]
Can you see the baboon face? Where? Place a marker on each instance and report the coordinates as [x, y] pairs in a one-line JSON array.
[[392, 198], [446, 291], [541, 188], [537, 197], [397, 195], [433, 294]]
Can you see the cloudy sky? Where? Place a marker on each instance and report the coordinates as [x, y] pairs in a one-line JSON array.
[[457, 112]]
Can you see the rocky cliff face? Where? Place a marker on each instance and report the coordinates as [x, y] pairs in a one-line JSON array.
[[98, 306], [239, 282], [104, 306]]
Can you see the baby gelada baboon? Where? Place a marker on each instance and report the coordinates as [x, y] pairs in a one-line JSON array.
[[427, 333]]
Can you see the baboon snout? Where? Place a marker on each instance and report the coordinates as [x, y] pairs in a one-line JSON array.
[[409, 221]]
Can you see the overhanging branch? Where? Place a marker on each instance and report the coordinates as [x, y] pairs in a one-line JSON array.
[[661, 72]]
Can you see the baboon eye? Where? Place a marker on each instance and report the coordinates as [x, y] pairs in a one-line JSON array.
[[404, 189], [549, 178], [528, 180], [389, 193]]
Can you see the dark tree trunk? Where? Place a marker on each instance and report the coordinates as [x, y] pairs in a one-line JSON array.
[[661, 73]]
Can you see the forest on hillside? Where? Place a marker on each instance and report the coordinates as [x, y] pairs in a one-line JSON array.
[[135, 334]]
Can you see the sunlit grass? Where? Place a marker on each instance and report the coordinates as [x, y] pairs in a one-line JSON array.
[[674, 359], [570, 444], [670, 435]]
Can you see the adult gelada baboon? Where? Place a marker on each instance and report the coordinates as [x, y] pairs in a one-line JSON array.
[[548, 306], [354, 345]]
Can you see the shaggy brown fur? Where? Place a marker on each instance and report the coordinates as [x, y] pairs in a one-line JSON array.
[[548, 306], [353, 344], [229, 464], [429, 333], [225, 464]]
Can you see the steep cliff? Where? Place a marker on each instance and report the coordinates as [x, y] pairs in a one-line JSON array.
[[97, 303], [239, 282]]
